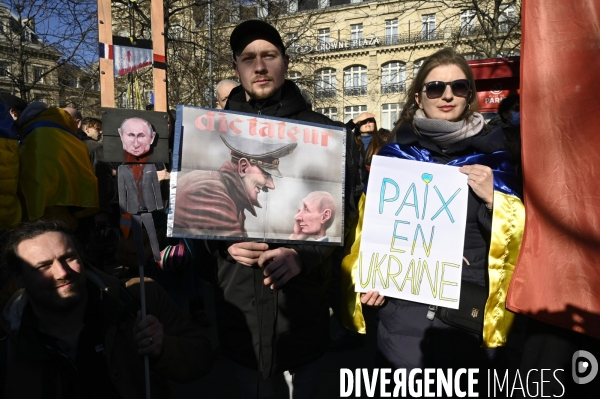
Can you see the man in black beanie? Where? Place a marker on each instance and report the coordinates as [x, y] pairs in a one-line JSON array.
[[276, 319]]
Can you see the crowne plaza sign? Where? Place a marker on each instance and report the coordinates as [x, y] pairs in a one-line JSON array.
[[334, 46]]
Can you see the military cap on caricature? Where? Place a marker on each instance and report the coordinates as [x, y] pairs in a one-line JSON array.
[[264, 155]]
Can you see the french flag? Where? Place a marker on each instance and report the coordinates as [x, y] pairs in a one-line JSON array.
[[105, 51]]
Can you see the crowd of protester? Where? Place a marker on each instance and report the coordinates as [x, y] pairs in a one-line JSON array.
[[62, 231]]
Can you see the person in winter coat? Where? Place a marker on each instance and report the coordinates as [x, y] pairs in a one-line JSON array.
[[74, 332], [511, 125], [272, 310], [364, 130], [440, 124], [56, 178], [10, 207]]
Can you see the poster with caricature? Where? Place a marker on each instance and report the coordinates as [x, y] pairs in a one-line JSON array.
[[250, 177]]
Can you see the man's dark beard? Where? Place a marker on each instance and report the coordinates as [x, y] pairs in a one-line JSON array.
[[57, 303]]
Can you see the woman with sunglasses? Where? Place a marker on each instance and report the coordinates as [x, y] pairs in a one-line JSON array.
[[439, 123]]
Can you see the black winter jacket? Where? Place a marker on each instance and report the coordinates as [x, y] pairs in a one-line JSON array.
[[260, 328], [406, 335]]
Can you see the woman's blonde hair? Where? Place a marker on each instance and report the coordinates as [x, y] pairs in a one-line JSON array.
[[445, 56]]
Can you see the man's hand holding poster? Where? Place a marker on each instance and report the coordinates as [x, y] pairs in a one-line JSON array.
[[241, 176], [413, 231]]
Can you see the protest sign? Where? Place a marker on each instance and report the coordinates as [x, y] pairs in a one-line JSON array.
[[244, 176], [413, 231]]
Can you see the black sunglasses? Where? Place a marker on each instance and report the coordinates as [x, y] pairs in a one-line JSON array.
[[436, 89], [364, 121]]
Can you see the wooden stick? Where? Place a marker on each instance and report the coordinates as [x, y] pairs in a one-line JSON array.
[[107, 69], [158, 50], [146, 360]]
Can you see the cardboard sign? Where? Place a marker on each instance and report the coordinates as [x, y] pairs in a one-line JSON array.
[[413, 231], [240, 176]]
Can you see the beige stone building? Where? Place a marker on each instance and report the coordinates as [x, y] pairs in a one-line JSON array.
[[33, 70], [360, 56], [25, 64], [349, 56]]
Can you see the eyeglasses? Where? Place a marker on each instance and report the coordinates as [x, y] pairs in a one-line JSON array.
[[436, 89]]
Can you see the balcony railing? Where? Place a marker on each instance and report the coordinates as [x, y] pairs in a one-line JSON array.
[[411, 36], [390, 40], [393, 88], [355, 91], [428, 35], [326, 93]]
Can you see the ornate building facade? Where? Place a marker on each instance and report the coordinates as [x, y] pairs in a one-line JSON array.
[[348, 56], [34, 70], [361, 55]]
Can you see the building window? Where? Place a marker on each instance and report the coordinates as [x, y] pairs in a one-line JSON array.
[[234, 16], [150, 96], [393, 78], [355, 1], [324, 36], [330, 112], [416, 67], [38, 73], [323, 4], [326, 83], [353, 111], [356, 32], [125, 100], [428, 28], [391, 31], [292, 39], [262, 10], [467, 22], [4, 69], [390, 113], [355, 81], [472, 56], [296, 77], [176, 32], [508, 53], [292, 6], [507, 18]]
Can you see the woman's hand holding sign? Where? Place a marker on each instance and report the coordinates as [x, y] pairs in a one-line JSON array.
[[481, 180], [372, 298]]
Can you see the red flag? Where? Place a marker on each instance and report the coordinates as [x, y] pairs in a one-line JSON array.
[[557, 277]]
